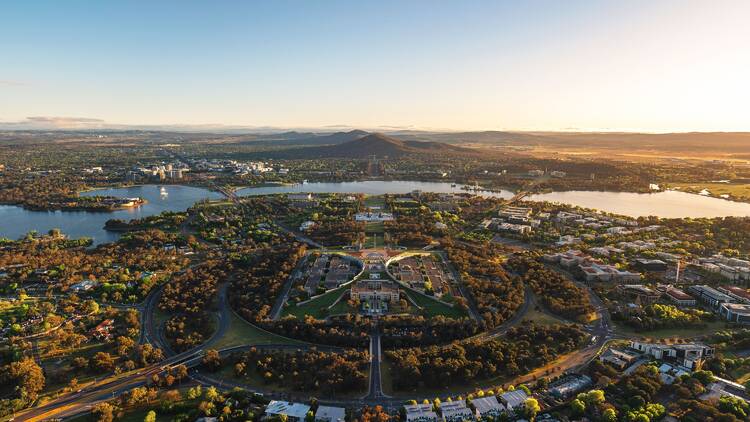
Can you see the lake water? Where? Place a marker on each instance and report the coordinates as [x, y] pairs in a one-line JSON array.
[[668, 204], [369, 187], [16, 221]]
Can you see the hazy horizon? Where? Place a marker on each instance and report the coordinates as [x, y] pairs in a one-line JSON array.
[[647, 67]]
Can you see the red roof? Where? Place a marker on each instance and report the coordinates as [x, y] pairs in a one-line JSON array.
[[678, 294], [738, 291]]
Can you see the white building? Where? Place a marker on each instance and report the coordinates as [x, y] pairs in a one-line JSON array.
[[420, 413], [687, 355], [514, 399], [735, 312], [330, 414], [488, 407], [373, 216], [455, 411], [307, 225], [295, 412]]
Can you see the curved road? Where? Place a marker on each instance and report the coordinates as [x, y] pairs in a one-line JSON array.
[[83, 401]]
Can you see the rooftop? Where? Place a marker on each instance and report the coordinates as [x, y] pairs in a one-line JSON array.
[[296, 410]]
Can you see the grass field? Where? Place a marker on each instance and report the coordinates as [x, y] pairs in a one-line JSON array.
[[374, 201], [241, 333], [736, 191], [541, 318], [317, 307], [434, 308], [375, 227]]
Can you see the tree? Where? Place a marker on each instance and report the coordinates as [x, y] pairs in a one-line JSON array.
[[212, 394], [102, 362], [91, 307], [103, 412], [578, 407], [609, 415], [592, 397], [194, 392], [150, 416], [180, 372], [29, 378], [212, 360], [531, 408]]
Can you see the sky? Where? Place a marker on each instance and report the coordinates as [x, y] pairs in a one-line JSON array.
[[652, 66]]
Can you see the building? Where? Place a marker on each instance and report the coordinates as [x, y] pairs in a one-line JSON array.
[[102, 331], [738, 293], [735, 312], [640, 292], [570, 385], [375, 290], [295, 412], [653, 265], [499, 225], [514, 212], [83, 286], [456, 411], [420, 413], [618, 358], [678, 297], [299, 196], [372, 217], [514, 399], [710, 296], [330, 414], [487, 407], [690, 355], [722, 387], [307, 225]]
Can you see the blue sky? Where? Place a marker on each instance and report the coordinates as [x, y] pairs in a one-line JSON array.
[[527, 65]]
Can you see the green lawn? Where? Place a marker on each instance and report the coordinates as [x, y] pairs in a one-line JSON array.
[[241, 333], [374, 201], [375, 227], [433, 307], [342, 308], [541, 318], [317, 308], [735, 190]]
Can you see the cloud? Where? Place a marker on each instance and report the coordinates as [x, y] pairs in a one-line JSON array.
[[55, 122], [6, 82]]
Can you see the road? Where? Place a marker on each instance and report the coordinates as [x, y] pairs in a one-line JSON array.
[[84, 400], [473, 310], [279, 304], [375, 388], [528, 300]]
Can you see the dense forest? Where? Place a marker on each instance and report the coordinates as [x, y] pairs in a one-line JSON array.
[[307, 371], [557, 293], [497, 296], [524, 348]]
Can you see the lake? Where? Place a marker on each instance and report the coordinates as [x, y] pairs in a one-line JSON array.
[[16, 221], [369, 187], [667, 204]]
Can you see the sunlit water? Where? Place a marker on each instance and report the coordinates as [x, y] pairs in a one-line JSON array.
[[16, 221]]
